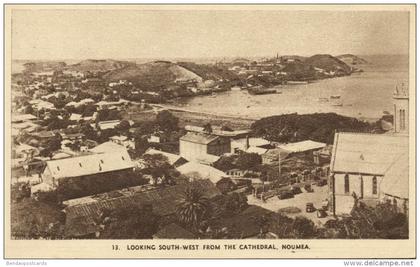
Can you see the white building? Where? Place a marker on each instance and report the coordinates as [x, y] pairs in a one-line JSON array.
[[372, 167]]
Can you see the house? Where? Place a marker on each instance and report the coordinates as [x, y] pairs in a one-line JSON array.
[[218, 131], [107, 147], [16, 118], [307, 147], [196, 171], [107, 104], [173, 231], [103, 125], [199, 146], [81, 213], [87, 165], [271, 157], [323, 156], [173, 159], [43, 136], [243, 144], [368, 167]]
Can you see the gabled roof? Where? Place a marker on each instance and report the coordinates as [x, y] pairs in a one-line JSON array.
[[199, 138], [172, 158], [107, 147], [301, 146], [367, 153], [164, 202], [89, 164], [395, 181], [22, 117], [201, 171]]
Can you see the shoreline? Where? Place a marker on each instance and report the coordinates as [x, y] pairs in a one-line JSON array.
[[188, 116]]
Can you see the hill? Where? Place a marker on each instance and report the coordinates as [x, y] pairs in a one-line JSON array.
[[152, 75], [328, 63], [209, 72], [351, 59], [41, 66], [99, 65], [317, 127]]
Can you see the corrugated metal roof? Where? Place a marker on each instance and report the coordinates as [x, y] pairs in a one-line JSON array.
[[366, 153], [107, 147], [302, 146], [90, 164], [164, 201], [199, 138]]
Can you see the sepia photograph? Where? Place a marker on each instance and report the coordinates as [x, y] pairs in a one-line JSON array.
[[158, 128]]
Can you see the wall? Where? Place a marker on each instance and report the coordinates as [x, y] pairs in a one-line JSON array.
[[191, 151], [343, 200]]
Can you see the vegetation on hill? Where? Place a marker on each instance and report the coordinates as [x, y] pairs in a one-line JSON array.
[[328, 63], [318, 127], [100, 65]]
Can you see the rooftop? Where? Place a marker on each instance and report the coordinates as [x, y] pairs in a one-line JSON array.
[[302, 146], [164, 200], [199, 138], [89, 164], [367, 153]]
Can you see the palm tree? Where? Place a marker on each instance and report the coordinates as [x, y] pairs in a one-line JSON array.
[[193, 208]]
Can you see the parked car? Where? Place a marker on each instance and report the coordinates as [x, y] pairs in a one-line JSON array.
[[310, 207], [286, 195], [296, 190]]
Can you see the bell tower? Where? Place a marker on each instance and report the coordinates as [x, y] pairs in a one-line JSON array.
[[401, 111]]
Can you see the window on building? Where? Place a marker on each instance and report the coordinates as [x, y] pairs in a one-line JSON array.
[[346, 184], [402, 119], [374, 185]]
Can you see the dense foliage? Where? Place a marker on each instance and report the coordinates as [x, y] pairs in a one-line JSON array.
[[317, 127]]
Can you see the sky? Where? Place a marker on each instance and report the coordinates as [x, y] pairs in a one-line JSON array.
[[122, 34]]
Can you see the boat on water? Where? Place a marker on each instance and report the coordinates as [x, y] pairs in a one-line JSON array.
[[297, 82], [337, 103], [335, 96], [261, 91], [323, 99]]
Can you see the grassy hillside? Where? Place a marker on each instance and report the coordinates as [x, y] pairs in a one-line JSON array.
[[209, 72], [100, 65]]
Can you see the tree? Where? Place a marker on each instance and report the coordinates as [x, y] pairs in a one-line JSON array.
[[140, 144], [225, 163], [166, 121], [193, 208], [123, 125], [208, 128], [131, 222], [247, 161], [158, 166]]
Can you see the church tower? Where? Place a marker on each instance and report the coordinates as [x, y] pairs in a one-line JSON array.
[[401, 112]]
